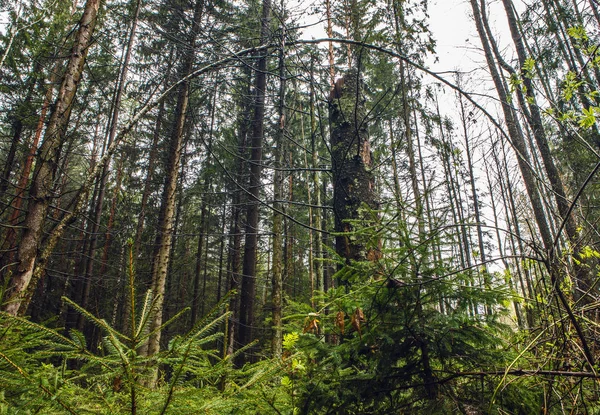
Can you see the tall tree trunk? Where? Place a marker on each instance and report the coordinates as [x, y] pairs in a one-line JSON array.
[[248, 288], [330, 50], [316, 219], [175, 287], [353, 183], [289, 270], [201, 252], [235, 230], [152, 160], [594, 7], [175, 148], [508, 198], [516, 138], [398, 22], [478, 225], [111, 218], [582, 278], [47, 160], [9, 243], [221, 252], [112, 131], [277, 270], [507, 269], [18, 125], [523, 159], [200, 263], [454, 169], [445, 152]]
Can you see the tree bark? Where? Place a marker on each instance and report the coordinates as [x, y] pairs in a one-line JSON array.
[[9, 242], [200, 263], [516, 138], [277, 270], [47, 160], [18, 125], [152, 160], [582, 278], [112, 132], [248, 287], [175, 147], [235, 231], [353, 183], [316, 218]]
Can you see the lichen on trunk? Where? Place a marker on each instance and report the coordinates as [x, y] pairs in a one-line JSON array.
[[354, 195]]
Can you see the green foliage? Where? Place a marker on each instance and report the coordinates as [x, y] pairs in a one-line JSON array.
[[401, 338], [587, 119], [574, 83], [289, 340], [43, 371], [577, 32], [529, 68], [389, 340]]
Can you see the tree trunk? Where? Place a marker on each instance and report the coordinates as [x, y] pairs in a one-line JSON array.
[[47, 160], [512, 216], [483, 268], [316, 218], [248, 288], [516, 138], [353, 183], [277, 271], [112, 131], [175, 147], [235, 231], [111, 219], [509, 276], [152, 159], [17, 130], [221, 252], [17, 202], [594, 7], [200, 263], [582, 278], [202, 251]]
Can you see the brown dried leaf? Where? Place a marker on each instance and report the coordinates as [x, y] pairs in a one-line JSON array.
[[357, 318], [339, 321], [311, 326]]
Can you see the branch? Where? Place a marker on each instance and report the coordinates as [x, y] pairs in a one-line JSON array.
[[523, 372]]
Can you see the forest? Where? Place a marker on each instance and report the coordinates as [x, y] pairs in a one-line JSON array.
[[275, 207]]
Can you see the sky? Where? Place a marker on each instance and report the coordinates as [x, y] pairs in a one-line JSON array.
[[458, 45], [454, 31]]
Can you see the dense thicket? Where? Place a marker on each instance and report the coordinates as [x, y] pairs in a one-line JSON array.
[[204, 210]]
